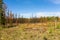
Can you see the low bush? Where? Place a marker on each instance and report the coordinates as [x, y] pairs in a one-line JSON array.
[[58, 27]]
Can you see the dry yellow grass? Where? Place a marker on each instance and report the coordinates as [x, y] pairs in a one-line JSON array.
[[37, 31]]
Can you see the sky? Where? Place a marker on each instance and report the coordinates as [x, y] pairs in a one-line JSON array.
[[27, 8]]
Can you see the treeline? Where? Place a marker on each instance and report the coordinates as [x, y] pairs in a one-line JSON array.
[[12, 18]]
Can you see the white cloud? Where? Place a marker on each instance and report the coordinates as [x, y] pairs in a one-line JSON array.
[[39, 14], [55, 1], [26, 15]]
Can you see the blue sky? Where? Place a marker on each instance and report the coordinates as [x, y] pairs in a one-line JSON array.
[[36, 7]]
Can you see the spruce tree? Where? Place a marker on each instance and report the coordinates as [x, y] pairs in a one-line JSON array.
[[2, 13]]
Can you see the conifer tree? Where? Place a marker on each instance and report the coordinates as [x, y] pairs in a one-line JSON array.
[[2, 13]]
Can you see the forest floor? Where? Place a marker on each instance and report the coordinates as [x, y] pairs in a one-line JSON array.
[[37, 31]]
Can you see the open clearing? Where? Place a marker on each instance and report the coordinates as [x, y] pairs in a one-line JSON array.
[[38, 31]]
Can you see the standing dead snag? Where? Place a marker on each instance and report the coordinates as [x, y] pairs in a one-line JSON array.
[[11, 19]]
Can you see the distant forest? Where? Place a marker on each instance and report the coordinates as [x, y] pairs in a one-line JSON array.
[[8, 18]]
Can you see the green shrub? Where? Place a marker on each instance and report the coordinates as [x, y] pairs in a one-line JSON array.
[[58, 26], [50, 31], [1, 28]]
